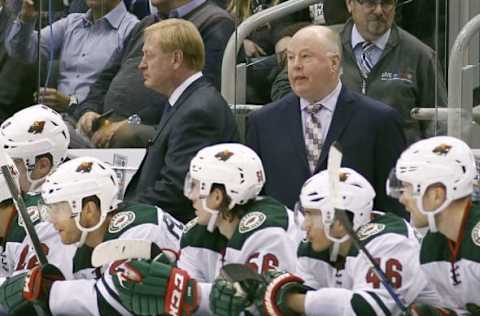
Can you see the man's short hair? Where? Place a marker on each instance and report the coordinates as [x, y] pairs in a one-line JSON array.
[[178, 34]]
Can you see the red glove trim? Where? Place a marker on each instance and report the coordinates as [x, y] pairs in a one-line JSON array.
[[33, 283], [269, 300]]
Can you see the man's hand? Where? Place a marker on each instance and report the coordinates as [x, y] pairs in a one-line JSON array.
[[28, 13], [149, 287], [103, 136], [21, 294], [252, 49], [279, 285], [84, 124], [53, 98]]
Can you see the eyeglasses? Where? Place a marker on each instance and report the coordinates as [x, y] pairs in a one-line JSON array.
[[387, 5]]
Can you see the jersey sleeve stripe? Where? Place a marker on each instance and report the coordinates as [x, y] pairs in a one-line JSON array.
[[104, 292], [380, 303]]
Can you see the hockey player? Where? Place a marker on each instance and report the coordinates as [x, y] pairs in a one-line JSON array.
[[233, 225], [37, 139], [81, 196], [434, 180], [334, 277]]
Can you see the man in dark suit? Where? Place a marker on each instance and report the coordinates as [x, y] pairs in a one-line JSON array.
[[197, 115], [293, 134]]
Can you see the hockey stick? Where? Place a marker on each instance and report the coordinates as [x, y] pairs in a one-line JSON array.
[[27, 223], [121, 249], [22, 210], [333, 168]]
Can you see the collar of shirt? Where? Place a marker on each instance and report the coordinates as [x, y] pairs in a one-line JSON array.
[[182, 87], [329, 102], [114, 17], [380, 42], [185, 9]]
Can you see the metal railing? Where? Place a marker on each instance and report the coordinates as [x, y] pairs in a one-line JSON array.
[[229, 79], [460, 112]]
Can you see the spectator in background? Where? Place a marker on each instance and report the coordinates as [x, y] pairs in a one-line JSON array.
[[292, 136], [280, 84], [384, 62], [196, 115], [83, 43], [17, 80], [120, 86]]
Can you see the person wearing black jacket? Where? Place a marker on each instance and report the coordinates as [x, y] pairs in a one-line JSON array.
[[197, 116]]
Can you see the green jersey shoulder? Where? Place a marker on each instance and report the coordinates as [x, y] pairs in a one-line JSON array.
[[129, 215], [263, 213], [33, 202], [435, 245], [195, 235]]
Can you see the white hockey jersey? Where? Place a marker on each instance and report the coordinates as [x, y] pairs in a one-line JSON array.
[[456, 278], [97, 296], [266, 237], [350, 287], [19, 254]]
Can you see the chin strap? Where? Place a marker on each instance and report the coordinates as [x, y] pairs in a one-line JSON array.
[[212, 222], [82, 240]]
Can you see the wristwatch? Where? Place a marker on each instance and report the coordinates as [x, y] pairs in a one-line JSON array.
[[73, 101], [134, 119]]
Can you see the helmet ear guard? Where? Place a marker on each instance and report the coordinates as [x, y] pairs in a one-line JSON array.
[[235, 166], [441, 160]]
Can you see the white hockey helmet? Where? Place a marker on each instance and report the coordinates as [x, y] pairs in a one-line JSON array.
[[35, 131], [355, 195], [77, 179], [4, 190], [235, 166], [437, 160]]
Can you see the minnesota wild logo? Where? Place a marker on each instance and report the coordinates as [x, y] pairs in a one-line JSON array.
[[85, 167], [442, 149], [37, 127], [224, 155], [476, 234]]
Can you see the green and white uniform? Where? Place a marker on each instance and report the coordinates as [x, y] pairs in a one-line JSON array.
[[350, 287], [457, 280], [266, 237], [97, 296]]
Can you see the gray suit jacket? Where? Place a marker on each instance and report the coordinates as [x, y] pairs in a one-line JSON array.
[[200, 118]]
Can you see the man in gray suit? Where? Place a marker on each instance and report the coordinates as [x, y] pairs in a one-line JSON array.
[[197, 115]]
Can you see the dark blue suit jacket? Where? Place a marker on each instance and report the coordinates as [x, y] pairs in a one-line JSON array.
[[200, 118], [369, 132]]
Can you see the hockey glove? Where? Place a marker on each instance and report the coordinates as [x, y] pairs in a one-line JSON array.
[[236, 288], [427, 310], [473, 309], [279, 285], [150, 287], [29, 291]]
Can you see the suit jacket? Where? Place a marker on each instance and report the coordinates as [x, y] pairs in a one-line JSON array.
[[369, 132], [199, 118]]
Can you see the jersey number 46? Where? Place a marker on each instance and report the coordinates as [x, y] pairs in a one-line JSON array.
[[392, 269]]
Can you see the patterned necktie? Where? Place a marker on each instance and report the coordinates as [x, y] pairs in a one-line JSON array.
[[313, 135], [365, 58]]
